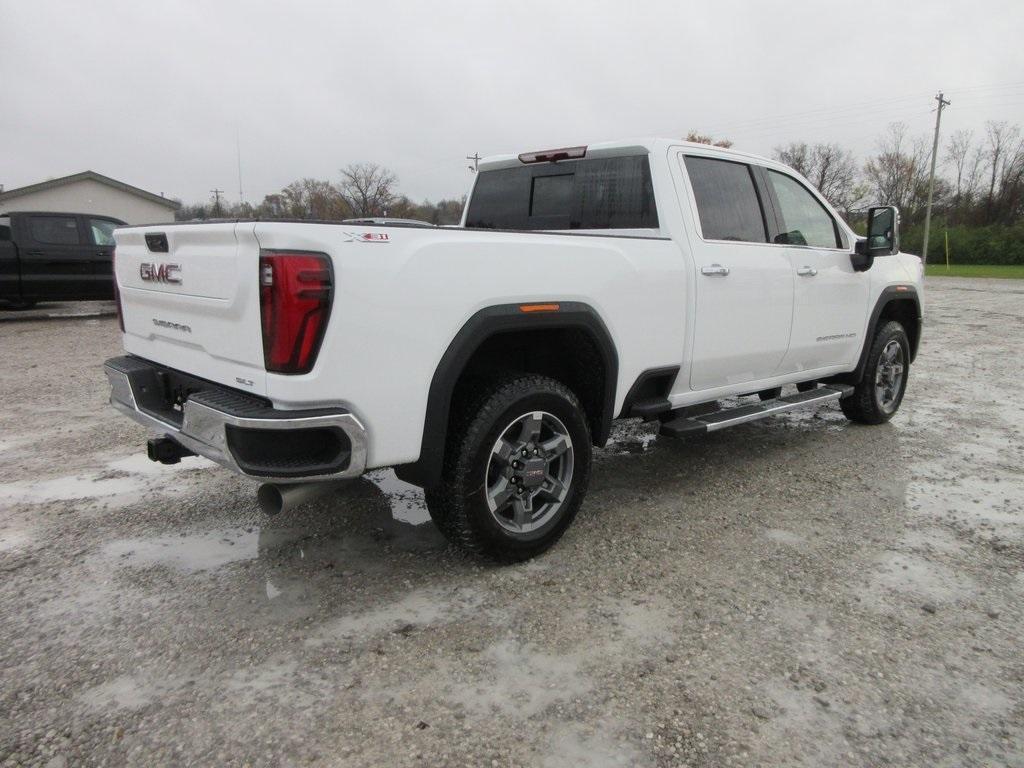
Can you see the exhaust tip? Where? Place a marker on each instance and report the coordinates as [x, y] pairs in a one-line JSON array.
[[269, 498]]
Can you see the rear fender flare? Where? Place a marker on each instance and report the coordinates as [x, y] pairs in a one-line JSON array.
[[426, 471]]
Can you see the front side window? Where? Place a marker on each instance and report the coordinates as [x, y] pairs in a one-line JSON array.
[[727, 201], [596, 193], [804, 220], [54, 230], [102, 231]]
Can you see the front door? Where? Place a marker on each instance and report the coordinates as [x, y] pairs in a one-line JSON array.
[[744, 285], [100, 232], [830, 297]]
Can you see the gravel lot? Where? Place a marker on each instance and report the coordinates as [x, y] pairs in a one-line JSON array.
[[799, 591]]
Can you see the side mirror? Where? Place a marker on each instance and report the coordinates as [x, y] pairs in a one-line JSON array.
[[883, 237]]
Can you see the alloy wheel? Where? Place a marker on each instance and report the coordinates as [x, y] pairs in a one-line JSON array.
[[889, 376], [529, 472]]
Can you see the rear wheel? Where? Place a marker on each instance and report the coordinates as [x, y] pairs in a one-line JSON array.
[[877, 397], [516, 470]]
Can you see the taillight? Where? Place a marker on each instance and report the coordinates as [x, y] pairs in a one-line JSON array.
[[117, 293], [295, 303]]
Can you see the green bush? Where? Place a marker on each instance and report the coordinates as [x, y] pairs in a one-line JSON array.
[[994, 244]]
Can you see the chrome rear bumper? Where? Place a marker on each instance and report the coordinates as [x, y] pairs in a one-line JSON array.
[[217, 422]]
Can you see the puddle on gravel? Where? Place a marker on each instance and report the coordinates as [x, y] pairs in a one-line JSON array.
[[629, 437], [522, 680], [350, 527], [13, 538], [782, 536], [189, 553], [519, 677], [124, 692], [140, 464], [908, 574], [407, 503], [419, 608], [590, 746], [979, 497], [120, 481], [68, 489]]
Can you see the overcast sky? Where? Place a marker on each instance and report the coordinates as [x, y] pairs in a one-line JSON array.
[[152, 93]]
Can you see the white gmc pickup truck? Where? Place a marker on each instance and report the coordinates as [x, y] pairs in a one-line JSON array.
[[648, 278]]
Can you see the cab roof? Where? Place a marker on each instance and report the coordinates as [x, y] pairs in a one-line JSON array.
[[636, 146]]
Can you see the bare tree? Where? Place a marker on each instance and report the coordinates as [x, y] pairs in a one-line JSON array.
[[1005, 159], [700, 138], [305, 199], [958, 153], [828, 167], [967, 161], [898, 173], [797, 155], [368, 188]]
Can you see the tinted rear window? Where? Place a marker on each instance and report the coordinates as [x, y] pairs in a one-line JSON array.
[[727, 202], [608, 193], [54, 230]]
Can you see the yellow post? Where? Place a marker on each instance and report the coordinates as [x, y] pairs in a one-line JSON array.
[[947, 250]]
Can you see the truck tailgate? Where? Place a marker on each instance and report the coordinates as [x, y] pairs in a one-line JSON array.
[[190, 300]]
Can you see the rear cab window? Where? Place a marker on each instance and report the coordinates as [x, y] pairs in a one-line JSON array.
[[603, 193]]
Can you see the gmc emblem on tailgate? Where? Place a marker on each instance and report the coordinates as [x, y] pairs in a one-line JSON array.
[[160, 273]]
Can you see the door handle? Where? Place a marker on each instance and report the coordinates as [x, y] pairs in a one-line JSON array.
[[715, 270], [807, 271]]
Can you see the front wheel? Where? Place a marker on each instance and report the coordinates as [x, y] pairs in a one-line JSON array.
[[516, 470], [877, 397]]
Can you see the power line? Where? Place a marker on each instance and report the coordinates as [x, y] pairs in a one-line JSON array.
[[475, 157], [823, 112], [811, 113]]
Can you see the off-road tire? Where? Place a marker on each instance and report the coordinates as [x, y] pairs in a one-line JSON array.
[[458, 504], [863, 405]]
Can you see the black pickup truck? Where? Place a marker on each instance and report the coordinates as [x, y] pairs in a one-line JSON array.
[[47, 256]]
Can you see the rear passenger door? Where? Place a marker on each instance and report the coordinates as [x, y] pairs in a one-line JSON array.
[[744, 284], [830, 297], [56, 260], [10, 281]]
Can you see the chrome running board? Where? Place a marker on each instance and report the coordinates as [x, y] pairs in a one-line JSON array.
[[711, 422]]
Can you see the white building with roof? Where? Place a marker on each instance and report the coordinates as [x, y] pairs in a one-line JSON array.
[[91, 192]]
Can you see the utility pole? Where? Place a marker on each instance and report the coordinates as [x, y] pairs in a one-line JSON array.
[[216, 199], [238, 148], [931, 175], [475, 157]]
